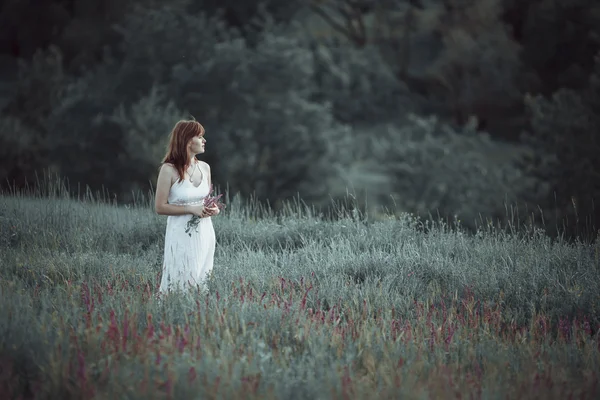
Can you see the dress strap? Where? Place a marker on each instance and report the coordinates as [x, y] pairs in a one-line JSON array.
[[204, 173]]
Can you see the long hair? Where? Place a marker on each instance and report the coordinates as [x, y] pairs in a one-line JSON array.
[[180, 136]]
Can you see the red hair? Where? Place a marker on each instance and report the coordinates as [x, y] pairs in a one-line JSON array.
[[180, 136]]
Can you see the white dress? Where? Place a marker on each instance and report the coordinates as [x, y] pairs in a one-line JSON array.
[[188, 259]]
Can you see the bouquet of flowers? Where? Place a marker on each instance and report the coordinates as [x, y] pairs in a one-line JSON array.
[[210, 201]]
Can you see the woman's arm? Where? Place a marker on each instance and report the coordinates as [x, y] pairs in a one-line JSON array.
[[166, 176], [211, 211]]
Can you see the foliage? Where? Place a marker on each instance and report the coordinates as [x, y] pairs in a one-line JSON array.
[[26, 144], [565, 131], [459, 55], [17, 143], [81, 29], [244, 15], [256, 102], [478, 68], [352, 308], [360, 85], [346, 17], [40, 86], [433, 169], [558, 38], [85, 145], [144, 126], [285, 110]]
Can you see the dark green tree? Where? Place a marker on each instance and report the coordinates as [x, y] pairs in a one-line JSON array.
[[566, 136], [267, 135]]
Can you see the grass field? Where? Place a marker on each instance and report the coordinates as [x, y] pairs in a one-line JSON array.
[[298, 307]]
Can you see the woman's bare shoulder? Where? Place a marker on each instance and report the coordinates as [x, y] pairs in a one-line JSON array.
[[169, 170], [168, 167]]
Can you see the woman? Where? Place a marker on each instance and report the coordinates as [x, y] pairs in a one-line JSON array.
[[183, 183]]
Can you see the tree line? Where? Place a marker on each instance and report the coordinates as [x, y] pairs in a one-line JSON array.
[[456, 107]]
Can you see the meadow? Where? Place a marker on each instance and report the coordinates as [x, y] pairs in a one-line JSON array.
[[299, 307]]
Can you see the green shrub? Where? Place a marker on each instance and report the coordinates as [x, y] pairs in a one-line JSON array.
[[359, 84], [564, 133], [434, 170]]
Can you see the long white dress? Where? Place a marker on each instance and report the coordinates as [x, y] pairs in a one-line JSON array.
[[188, 259]]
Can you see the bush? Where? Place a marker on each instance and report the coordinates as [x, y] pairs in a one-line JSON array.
[[556, 49], [433, 169], [17, 149], [359, 84], [40, 85], [25, 141], [565, 131], [144, 126]]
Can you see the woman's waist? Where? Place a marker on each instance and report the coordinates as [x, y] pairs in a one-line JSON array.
[[188, 202]]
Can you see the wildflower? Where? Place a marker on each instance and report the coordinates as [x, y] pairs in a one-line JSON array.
[[209, 202]]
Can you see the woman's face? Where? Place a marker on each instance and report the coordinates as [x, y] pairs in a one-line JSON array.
[[196, 145]]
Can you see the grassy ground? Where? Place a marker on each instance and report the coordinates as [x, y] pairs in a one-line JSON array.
[[298, 308]]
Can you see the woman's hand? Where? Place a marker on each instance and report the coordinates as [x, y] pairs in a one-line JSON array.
[[197, 210], [212, 211], [202, 211]]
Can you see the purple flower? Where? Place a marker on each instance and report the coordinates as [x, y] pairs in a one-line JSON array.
[[209, 202]]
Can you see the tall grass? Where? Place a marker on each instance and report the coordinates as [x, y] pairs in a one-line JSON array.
[[300, 306]]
